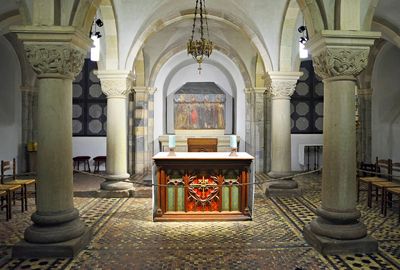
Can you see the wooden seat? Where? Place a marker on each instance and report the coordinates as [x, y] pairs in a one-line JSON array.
[[84, 159], [388, 199], [367, 176], [202, 144], [98, 161], [382, 185], [5, 203], [10, 191], [23, 183]]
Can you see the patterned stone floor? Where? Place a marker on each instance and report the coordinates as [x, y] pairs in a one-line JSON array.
[[126, 238]]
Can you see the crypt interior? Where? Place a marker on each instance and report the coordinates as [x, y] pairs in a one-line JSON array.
[[194, 134]]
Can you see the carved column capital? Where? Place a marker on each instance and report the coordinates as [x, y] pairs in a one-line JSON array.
[[54, 51], [282, 84], [55, 60], [335, 62], [339, 53], [115, 83]]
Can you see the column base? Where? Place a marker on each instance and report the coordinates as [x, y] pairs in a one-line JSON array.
[[116, 183], [125, 193], [282, 188], [273, 174], [67, 249], [330, 246]]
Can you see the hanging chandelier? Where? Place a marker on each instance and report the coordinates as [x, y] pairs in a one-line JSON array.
[[199, 46]]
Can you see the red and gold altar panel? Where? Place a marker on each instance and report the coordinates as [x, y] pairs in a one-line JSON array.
[[202, 186]]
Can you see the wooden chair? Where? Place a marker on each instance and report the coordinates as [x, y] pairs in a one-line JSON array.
[[388, 200], [5, 202], [84, 159], [98, 161], [383, 185], [367, 177], [23, 183]]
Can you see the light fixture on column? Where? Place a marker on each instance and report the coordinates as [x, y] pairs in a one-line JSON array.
[[199, 45], [303, 40], [95, 35]]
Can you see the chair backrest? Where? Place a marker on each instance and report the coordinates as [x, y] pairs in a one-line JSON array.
[[371, 168], [5, 166], [385, 164]]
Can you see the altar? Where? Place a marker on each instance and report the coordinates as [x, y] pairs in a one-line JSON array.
[[203, 186]]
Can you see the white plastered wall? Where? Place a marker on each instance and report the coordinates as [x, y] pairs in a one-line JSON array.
[[10, 103], [386, 104]]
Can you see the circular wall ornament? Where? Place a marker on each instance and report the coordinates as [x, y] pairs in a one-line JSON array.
[[95, 126], [302, 123]]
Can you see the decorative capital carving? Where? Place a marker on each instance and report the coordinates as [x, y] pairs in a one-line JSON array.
[[335, 62], [116, 83], [55, 60], [282, 88], [341, 53], [282, 84]]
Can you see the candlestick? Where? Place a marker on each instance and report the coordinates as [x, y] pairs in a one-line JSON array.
[[233, 141]]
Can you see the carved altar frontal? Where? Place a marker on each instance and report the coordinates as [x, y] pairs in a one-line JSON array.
[[202, 186]]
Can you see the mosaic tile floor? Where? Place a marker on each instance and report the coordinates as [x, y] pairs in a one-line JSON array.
[[126, 238]]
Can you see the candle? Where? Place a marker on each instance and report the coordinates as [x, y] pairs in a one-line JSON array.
[[233, 141], [171, 141]]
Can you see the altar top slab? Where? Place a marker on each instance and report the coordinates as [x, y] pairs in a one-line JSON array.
[[203, 156]]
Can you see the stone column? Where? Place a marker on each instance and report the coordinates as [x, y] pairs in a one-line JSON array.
[[282, 86], [255, 121], [364, 110], [116, 85], [56, 55], [144, 128], [338, 57]]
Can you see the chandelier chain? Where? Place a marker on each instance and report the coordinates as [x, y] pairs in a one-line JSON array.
[[194, 19], [201, 20], [205, 13]]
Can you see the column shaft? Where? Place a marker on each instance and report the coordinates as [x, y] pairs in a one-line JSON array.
[[339, 173], [55, 189], [116, 137], [281, 137]]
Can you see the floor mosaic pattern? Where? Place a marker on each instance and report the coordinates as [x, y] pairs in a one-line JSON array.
[[126, 238]]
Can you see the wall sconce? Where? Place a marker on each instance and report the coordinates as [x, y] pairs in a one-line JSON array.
[[303, 53], [95, 35]]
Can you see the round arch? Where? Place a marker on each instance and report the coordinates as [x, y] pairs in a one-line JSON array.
[[236, 24], [226, 50]]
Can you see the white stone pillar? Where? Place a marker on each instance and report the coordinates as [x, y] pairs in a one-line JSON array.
[[282, 86], [116, 85], [144, 128], [255, 106], [338, 57], [56, 55]]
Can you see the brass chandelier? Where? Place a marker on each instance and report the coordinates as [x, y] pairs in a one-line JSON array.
[[199, 48]]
